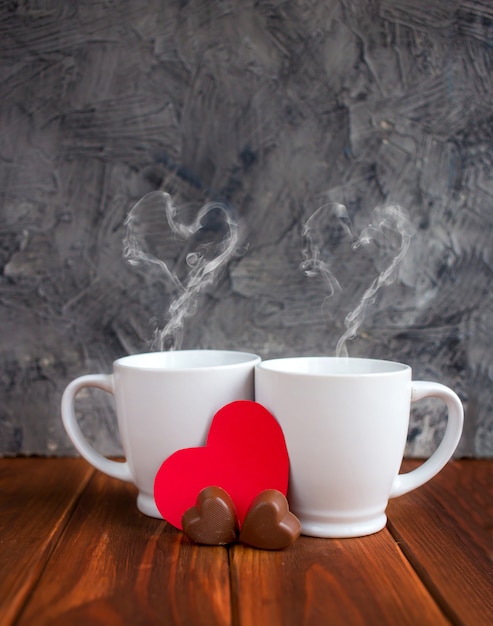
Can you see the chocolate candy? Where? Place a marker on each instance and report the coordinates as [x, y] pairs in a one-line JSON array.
[[212, 521], [269, 524]]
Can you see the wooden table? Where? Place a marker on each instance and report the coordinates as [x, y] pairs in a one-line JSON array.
[[75, 550]]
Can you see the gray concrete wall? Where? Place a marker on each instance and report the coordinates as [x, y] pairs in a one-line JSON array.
[[274, 109]]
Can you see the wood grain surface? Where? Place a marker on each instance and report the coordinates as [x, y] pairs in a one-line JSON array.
[[36, 501], [74, 549], [446, 532]]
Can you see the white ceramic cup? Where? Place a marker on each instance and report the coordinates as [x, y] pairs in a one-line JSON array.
[[345, 421], [165, 401]]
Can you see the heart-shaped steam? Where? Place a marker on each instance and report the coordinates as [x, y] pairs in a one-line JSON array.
[[189, 256], [329, 227]]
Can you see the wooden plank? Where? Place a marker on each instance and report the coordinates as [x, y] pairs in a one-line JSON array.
[[36, 499], [114, 565], [465, 489], [78, 552], [320, 581], [445, 529]]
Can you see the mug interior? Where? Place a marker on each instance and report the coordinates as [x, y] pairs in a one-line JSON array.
[[331, 366], [187, 359]]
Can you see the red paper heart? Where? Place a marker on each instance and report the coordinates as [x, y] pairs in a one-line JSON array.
[[245, 454]]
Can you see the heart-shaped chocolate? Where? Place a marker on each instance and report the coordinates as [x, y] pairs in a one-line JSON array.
[[245, 454], [269, 524], [212, 521]]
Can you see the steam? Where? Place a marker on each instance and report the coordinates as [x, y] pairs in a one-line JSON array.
[[329, 228], [154, 220]]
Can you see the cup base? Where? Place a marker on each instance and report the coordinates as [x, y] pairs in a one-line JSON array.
[[342, 529], [147, 505]]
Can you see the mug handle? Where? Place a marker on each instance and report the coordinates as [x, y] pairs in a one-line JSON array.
[[100, 381], [422, 474]]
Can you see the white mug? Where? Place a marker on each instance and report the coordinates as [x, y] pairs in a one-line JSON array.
[[345, 421], [165, 401]]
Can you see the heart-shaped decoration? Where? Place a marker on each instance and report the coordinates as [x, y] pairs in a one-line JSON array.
[[187, 254], [245, 454], [331, 241], [269, 524], [212, 521]]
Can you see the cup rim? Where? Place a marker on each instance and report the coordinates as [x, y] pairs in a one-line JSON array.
[[187, 360], [332, 367]]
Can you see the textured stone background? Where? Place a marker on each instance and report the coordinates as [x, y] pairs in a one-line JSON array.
[[273, 108]]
